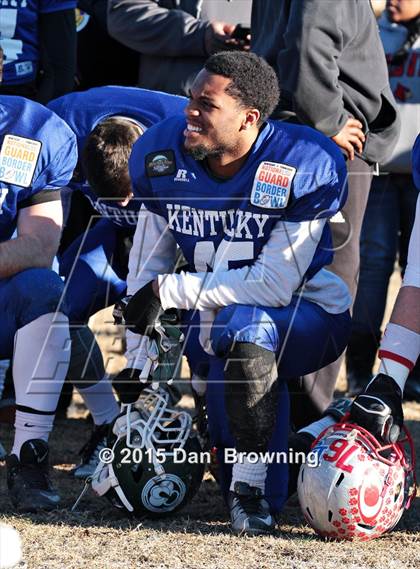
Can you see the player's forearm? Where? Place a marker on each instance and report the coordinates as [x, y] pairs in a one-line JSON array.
[[24, 252], [270, 281], [207, 291], [400, 346], [406, 311]]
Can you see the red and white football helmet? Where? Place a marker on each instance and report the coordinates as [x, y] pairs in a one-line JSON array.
[[360, 488]]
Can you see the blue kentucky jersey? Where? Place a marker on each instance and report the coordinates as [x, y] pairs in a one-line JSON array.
[[292, 173], [83, 111], [38, 153], [19, 29]]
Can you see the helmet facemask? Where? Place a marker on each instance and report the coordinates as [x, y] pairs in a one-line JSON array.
[[145, 475]]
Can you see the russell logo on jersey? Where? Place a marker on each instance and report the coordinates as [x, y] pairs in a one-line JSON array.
[[184, 176]]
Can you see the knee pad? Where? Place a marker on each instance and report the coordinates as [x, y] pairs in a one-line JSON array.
[[246, 324], [251, 395], [37, 292]]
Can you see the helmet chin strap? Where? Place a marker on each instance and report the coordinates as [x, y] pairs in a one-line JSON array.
[[116, 485], [103, 486]]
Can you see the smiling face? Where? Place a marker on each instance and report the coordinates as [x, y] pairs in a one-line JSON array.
[[403, 10], [218, 126]]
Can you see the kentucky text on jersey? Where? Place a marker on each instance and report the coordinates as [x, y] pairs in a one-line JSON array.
[[200, 223], [207, 216], [119, 215]]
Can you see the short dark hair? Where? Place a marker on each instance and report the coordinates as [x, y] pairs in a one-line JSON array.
[[254, 83], [105, 157]]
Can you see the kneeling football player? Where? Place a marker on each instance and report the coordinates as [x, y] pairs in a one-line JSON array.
[[37, 156], [107, 121], [247, 201]]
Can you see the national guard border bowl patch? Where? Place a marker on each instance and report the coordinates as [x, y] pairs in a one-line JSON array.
[[18, 160], [272, 185], [160, 163]]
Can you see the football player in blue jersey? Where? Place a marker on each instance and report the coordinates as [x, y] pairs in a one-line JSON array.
[[107, 121], [37, 34], [37, 156], [247, 201]]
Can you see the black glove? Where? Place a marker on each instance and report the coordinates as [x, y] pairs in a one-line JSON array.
[[379, 409], [128, 386], [140, 311]]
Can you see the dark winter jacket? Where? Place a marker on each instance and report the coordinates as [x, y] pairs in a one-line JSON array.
[[331, 65]]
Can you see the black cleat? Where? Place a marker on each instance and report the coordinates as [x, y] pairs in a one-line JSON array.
[[249, 511], [29, 486], [90, 452]]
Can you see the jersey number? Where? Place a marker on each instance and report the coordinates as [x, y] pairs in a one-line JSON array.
[[207, 257], [12, 48]]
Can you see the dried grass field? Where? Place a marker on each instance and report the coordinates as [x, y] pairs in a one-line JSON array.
[[99, 537]]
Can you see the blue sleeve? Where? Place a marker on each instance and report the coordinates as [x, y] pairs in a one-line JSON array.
[[49, 6], [58, 172], [322, 201], [320, 185]]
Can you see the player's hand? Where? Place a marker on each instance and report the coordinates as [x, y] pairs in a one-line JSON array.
[[164, 355], [350, 138], [216, 35], [128, 386], [379, 409], [142, 310]]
